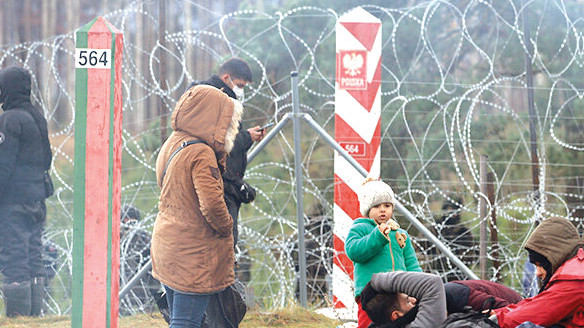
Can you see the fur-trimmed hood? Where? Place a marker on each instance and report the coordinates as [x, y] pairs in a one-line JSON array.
[[208, 114], [192, 240]]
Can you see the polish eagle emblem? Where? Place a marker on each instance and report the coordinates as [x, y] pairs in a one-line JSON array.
[[352, 63]]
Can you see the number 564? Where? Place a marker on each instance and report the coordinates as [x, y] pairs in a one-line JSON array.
[[92, 58]]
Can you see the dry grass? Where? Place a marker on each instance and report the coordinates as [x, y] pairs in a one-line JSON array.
[[292, 317], [142, 321], [296, 317]]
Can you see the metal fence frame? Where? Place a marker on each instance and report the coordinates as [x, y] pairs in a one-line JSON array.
[[296, 116]]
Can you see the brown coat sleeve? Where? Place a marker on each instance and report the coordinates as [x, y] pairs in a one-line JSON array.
[[209, 188]]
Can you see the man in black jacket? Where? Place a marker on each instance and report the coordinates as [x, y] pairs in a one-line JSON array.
[[232, 77], [25, 156], [134, 254]]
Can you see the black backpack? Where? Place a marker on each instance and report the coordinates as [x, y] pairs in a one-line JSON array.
[[227, 308], [470, 318]]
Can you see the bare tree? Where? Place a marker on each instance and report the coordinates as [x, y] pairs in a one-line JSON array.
[[73, 23], [188, 12], [140, 112], [2, 19], [48, 29]]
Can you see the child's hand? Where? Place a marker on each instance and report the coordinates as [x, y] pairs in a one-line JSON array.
[[392, 224], [388, 226], [384, 228]]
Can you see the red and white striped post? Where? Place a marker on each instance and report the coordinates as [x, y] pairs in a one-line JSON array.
[[357, 130], [97, 181]]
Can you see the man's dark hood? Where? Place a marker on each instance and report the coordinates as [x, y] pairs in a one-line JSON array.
[[15, 92], [14, 87]]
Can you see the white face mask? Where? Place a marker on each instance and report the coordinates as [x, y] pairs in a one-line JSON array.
[[239, 93]]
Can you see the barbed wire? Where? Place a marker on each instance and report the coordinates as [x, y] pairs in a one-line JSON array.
[[447, 98]]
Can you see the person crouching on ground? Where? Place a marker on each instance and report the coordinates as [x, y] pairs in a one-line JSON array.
[[375, 242], [556, 250], [192, 242]]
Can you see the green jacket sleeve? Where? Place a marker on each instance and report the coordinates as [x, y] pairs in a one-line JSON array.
[[410, 258], [363, 243]]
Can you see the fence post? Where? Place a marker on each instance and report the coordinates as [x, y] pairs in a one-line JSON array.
[[97, 177], [484, 216], [493, 225], [162, 111], [299, 194]]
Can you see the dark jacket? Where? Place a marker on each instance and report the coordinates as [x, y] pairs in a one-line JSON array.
[[474, 293], [458, 235], [25, 152], [237, 159], [134, 254]]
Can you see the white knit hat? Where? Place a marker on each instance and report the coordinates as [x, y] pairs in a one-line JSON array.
[[373, 193]]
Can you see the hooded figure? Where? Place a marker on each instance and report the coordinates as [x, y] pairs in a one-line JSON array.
[[233, 76], [25, 155], [192, 242], [25, 152], [557, 248]]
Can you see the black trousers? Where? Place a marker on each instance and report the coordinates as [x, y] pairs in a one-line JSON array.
[[233, 206], [21, 229]]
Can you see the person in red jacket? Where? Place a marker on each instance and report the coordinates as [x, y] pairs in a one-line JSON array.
[[557, 251]]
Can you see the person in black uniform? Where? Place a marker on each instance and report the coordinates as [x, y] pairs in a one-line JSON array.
[[233, 76], [134, 254], [25, 157], [458, 237]]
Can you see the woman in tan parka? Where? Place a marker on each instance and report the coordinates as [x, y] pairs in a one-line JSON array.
[[192, 243]]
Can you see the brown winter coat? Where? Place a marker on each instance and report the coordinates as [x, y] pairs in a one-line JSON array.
[[192, 242]]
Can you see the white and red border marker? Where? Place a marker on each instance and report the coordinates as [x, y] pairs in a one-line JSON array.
[[357, 130]]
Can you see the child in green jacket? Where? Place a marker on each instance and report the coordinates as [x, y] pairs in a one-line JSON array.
[[375, 242]]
